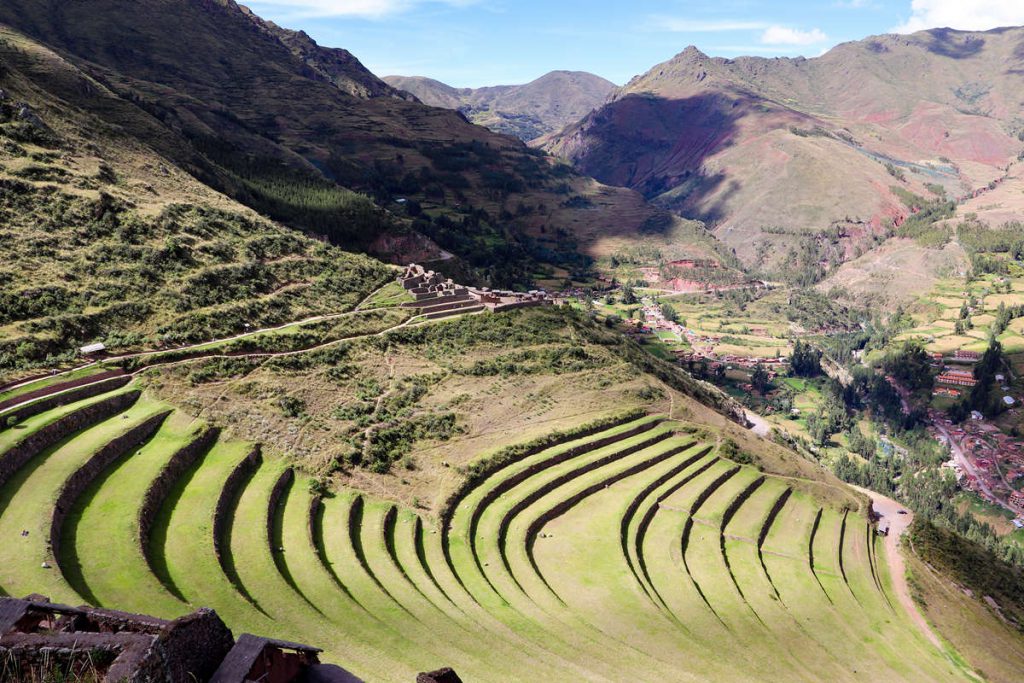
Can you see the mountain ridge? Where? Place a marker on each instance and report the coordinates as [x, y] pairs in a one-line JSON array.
[[544, 105], [307, 136], [756, 144]]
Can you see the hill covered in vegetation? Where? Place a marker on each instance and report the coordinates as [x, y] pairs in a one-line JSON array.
[[308, 137]]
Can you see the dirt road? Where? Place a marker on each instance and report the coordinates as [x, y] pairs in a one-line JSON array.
[[897, 519], [758, 424]]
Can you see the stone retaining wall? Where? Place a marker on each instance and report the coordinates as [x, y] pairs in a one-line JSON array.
[[281, 487], [161, 486], [453, 311], [86, 387], [102, 459], [567, 504], [570, 453], [55, 432], [553, 484], [448, 507], [226, 503], [316, 504], [448, 304], [780, 503]]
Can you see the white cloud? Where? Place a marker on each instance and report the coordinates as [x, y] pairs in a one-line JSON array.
[[966, 15], [677, 25], [370, 9], [781, 35]]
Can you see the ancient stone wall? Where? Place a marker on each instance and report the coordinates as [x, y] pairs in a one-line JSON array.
[[227, 501], [281, 487], [446, 306], [567, 504], [452, 503], [161, 486], [114, 656], [316, 505], [55, 432], [70, 395], [192, 647], [105, 457]]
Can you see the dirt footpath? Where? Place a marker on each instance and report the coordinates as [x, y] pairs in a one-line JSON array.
[[896, 518]]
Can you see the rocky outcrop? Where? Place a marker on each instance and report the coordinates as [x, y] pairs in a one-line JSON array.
[[445, 675]]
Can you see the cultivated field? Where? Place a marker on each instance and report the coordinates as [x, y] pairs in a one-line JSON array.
[[623, 550]]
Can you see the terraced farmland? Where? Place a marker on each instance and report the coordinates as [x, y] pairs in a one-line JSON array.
[[630, 551]]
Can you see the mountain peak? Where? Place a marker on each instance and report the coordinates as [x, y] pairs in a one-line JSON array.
[[529, 111]]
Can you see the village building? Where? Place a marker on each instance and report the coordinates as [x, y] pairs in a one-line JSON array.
[[958, 378]]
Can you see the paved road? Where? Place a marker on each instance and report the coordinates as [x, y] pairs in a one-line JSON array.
[[890, 515]]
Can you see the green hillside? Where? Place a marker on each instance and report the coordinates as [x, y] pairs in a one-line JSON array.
[[623, 549]]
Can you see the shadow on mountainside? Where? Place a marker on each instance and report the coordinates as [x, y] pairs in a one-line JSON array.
[[659, 145], [953, 44]]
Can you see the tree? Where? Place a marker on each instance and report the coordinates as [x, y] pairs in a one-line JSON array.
[[760, 379], [805, 361], [628, 295], [859, 443], [910, 365], [669, 312]]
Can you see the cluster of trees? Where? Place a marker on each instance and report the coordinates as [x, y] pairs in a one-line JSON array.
[[910, 365], [990, 249], [871, 334], [921, 224], [759, 379], [831, 417], [963, 322], [805, 361]]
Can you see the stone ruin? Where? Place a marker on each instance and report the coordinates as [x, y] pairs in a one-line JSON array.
[[436, 296], [41, 640]]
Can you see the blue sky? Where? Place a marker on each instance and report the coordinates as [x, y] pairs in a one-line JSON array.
[[470, 43]]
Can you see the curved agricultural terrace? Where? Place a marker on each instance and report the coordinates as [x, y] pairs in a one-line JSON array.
[[631, 552]]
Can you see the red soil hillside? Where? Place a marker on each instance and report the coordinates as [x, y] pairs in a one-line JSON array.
[[759, 148]]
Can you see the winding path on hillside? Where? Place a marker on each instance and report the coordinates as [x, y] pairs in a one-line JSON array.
[[86, 381], [358, 308], [898, 519]]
